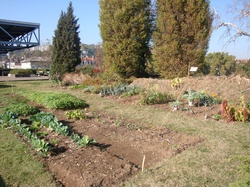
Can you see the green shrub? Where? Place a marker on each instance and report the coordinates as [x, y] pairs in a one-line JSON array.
[[86, 69], [131, 90], [123, 89], [76, 86], [22, 71], [154, 97], [22, 109]]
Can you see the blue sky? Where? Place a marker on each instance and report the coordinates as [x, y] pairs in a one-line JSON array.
[[47, 13]]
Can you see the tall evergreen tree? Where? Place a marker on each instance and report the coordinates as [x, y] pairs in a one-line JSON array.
[[66, 45], [126, 29], [183, 29]]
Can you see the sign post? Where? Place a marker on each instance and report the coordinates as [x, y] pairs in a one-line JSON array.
[[193, 69]]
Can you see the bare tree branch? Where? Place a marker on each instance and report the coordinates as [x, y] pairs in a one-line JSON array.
[[240, 25]]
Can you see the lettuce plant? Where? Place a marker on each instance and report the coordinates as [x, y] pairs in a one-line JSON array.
[[75, 114], [22, 109], [56, 100], [84, 141]]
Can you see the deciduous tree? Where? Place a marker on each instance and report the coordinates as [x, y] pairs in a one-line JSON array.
[[239, 24], [220, 64]]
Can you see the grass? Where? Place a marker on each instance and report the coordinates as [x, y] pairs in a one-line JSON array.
[[221, 160], [18, 166]]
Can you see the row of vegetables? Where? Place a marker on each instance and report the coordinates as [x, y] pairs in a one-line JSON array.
[[41, 120]]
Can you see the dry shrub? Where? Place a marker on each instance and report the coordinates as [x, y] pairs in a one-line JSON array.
[[96, 81], [74, 78]]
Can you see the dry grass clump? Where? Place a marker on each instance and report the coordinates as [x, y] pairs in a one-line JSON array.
[[74, 78]]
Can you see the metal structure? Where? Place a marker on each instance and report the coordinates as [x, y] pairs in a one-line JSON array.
[[16, 35]]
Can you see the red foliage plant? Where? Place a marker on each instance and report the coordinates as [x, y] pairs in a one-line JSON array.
[[245, 114], [225, 113]]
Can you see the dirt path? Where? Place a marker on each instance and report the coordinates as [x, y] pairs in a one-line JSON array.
[[7, 78]]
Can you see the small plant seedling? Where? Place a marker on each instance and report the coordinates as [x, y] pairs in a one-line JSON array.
[[54, 141], [175, 105], [84, 141], [217, 117], [75, 114]]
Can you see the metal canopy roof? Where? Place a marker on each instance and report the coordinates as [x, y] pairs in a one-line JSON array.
[[15, 35]]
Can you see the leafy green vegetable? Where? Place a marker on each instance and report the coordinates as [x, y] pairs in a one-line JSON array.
[[75, 114], [154, 97], [7, 117], [84, 141], [39, 144], [22, 109], [56, 100], [50, 121]]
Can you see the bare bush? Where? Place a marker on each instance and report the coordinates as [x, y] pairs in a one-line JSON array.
[[73, 78]]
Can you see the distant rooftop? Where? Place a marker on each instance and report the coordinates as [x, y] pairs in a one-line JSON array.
[[16, 35]]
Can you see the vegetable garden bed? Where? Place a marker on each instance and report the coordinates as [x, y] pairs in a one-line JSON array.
[[117, 155], [126, 132]]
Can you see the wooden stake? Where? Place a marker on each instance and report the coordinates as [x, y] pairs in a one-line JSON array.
[[143, 161]]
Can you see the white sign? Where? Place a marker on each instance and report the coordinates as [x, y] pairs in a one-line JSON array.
[[193, 69]]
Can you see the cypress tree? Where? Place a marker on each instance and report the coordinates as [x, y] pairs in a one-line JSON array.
[[126, 29], [66, 45], [183, 29]]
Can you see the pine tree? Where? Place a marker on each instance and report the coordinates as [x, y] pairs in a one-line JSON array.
[[183, 29], [66, 45], [126, 29]]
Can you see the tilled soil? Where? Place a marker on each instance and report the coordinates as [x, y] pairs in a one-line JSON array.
[[121, 147]]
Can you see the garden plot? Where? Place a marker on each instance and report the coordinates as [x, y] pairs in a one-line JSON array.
[[95, 148], [118, 153], [122, 143]]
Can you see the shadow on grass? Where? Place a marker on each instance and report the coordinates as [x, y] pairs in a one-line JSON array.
[[5, 86], [2, 184]]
